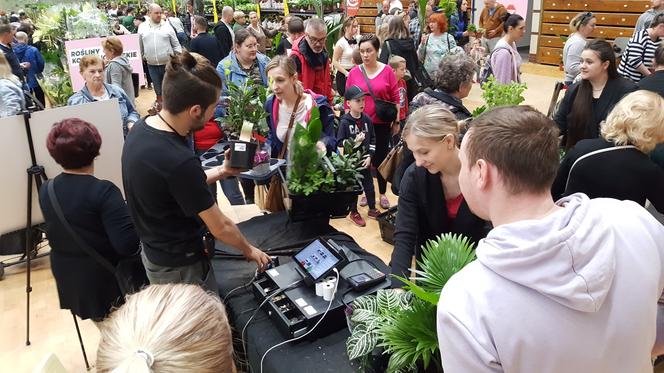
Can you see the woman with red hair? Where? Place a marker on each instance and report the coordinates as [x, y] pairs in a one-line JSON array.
[[96, 211], [435, 45]]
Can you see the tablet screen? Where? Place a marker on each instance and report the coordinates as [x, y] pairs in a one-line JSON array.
[[316, 259]]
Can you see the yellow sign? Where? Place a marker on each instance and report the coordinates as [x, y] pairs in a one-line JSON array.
[[285, 7], [214, 11], [258, 10], [175, 8]]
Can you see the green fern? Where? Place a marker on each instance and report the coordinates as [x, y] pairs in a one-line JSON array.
[[441, 259], [410, 337]]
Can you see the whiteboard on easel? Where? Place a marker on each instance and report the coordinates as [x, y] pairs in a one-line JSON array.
[[15, 155]]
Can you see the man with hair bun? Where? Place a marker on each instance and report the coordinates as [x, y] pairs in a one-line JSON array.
[[312, 60], [166, 188], [566, 286]]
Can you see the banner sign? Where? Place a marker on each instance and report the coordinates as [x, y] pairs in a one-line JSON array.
[[76, 49], [352, 7]]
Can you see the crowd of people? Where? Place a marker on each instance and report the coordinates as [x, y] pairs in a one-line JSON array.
[[570, 265]]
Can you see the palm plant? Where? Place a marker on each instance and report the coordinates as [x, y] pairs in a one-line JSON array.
[[403, 325]]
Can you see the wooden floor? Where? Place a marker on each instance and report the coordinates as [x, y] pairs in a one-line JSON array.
[[52, 329]]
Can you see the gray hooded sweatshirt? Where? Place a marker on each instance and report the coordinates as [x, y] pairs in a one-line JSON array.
[[118, 72], [575, 291]]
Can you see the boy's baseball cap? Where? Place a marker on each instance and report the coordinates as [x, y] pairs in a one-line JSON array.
[[354, 92]]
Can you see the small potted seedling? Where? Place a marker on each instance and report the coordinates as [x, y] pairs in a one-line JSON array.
[[245, 123]]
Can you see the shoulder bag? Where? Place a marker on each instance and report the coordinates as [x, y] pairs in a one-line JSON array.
[[274, 201], [129, 272], [426, 78], [385, 110], [389, 165]]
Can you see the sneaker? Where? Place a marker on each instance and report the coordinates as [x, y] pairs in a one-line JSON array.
[[357, 219], [384, 202], [373, 213], [363, 201]]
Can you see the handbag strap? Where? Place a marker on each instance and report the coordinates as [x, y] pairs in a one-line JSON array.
[[290, 126], [77, 239], [366, 80], [599, 151]]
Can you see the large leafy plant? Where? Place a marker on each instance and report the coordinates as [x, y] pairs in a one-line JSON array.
[[497, 94], [310, 170], [406, 328], [245, 105]]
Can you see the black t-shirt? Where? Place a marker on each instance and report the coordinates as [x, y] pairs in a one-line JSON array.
[[166, 189], [283, 46], [654, 83]]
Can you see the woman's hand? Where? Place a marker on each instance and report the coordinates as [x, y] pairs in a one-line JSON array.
[[367, 162], [424, 38]]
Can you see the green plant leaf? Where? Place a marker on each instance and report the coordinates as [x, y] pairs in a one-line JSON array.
[[366, 302], [361, 342], [410, 336], [363, 316], [419, 292], [388, 300]]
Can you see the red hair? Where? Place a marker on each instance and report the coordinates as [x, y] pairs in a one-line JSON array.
[[73, 143], [440, 19]]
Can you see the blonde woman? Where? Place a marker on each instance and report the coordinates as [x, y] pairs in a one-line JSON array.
[[12, 100], [582, 26], [617, 164], [167, 328], [430, 200], [289, 96]]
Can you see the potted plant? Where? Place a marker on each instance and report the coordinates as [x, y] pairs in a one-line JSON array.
[[403, 324], [318, 184], [245, 122], [496, 94]]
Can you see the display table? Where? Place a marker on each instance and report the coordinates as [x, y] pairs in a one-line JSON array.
[[274, 232]]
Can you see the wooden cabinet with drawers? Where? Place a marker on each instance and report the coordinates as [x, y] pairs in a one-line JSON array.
[[615, 19]]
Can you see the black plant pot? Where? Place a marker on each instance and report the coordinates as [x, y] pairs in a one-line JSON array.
[[325, 205], [242, 154]]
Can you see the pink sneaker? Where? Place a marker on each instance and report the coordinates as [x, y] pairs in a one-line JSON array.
[[384, 202], [357, 219], [373, 213], [363, 201]]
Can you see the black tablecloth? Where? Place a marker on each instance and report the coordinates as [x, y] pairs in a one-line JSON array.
[[270, 233]]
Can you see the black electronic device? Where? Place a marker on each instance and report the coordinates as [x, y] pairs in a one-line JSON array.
[[295, 307], [361, 274], [318, 259]]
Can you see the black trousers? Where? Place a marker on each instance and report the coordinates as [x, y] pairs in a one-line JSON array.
[[341, 83], [383, 135]]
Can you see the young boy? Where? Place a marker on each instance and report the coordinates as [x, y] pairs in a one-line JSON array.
[[357, 126], [398, 63]]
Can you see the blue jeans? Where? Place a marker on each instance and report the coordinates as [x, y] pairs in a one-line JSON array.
[[157, 73]]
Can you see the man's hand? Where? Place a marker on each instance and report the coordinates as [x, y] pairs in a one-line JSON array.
[[260, 258], [25, 65], [226, 169]]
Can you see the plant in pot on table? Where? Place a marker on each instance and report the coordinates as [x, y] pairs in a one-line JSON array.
[[245, 125], [395, 330], [319, 184]]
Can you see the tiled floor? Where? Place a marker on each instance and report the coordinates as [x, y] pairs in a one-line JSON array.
[[53, 329]]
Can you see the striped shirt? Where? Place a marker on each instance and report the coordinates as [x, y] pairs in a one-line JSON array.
[[640, 50]]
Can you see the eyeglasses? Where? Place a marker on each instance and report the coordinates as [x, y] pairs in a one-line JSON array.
[[315, 40]]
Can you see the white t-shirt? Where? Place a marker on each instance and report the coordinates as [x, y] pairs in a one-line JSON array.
[[103, 97], [346, 60], [284, 117]]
